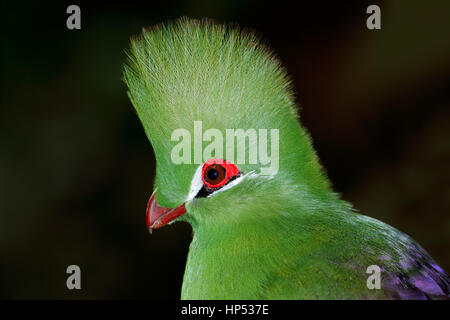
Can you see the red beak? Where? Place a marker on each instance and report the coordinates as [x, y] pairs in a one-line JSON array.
[[157, 216]]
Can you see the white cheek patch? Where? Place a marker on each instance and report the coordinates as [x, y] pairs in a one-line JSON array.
[[196, 184]]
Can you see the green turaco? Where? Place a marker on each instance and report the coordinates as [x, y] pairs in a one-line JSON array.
[[235, 163]]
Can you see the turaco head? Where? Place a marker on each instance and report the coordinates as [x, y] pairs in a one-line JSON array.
[[219, 112]]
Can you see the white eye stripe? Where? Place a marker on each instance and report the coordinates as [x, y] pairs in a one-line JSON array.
[[228, 186], [196, 184]]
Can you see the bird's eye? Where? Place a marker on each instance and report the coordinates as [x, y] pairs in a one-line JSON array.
[[214, 175]]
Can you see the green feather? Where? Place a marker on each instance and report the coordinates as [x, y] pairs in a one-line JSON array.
[[282, 236]]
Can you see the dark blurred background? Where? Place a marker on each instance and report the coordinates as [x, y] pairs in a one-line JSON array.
[[76, 168]]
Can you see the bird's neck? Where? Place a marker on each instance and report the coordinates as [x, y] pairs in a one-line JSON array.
[[231, 260]]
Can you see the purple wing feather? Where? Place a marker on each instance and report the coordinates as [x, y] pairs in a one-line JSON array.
[[419, 277]]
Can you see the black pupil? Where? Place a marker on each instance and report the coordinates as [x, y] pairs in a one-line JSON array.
[[213, 174]]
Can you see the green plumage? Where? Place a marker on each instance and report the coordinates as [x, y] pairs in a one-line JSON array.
[[268, 237]]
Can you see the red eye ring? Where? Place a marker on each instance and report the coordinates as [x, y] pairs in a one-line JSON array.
[[230, 171]]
